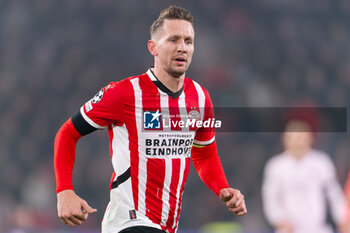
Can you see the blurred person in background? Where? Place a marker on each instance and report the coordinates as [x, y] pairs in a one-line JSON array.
[[347, 196], [147, 185], [298, 182]]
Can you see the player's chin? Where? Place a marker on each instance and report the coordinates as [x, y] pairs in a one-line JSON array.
[[177, 72]]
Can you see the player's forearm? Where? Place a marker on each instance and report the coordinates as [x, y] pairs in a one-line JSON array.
[[65, 143], [208, 165]]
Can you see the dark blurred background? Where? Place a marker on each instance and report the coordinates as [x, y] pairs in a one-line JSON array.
[[55, 55]]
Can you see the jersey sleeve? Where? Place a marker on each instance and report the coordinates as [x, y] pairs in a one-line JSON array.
[[206, 135], [207, 163], [105, 108]]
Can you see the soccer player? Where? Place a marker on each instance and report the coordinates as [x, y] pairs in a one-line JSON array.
[[150, 147], [347, 195], [298, 182]]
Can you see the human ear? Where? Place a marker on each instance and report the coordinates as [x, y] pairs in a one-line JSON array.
[[152, 47]]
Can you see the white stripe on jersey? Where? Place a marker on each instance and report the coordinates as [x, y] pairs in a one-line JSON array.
[[87, 119], [201, 98], [201, 103], [151, 76], [183, 110], [120, 146], [121, 197], [164, 105], [166, 191], [204, 143], [142, 176], [181, 179]]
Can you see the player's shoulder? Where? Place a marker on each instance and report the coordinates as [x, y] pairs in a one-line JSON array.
[[191, 84], [128, 81], [121, 84], [117, 90]]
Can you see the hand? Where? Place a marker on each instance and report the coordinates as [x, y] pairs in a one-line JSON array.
[[234, 200], [72, 210]]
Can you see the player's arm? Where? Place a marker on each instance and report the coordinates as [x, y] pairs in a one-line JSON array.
[[97, 113], [72, 209], [208, 165]]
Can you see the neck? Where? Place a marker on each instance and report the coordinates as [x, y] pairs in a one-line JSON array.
[[298, 153], [172, 83]]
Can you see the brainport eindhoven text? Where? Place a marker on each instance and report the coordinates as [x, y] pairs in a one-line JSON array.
[[170, 146]]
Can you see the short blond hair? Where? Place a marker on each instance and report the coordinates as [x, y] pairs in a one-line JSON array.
[[172, 12]]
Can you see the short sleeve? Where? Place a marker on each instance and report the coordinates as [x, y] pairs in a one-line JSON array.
[[105, 108], [206, 135]]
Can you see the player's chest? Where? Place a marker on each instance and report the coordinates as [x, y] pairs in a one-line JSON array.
[[159, 111]]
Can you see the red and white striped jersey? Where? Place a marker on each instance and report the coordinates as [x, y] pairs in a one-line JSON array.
[[149, 146]]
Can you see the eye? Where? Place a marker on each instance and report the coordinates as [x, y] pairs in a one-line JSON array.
[[189, 42]]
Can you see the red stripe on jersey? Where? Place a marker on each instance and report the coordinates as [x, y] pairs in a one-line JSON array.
[[174, 112], [187, 169], [150, 95], [173, 191], [154, 189], [155, 180], [111, 134], [191, 96], [209, 111], [133, 147]]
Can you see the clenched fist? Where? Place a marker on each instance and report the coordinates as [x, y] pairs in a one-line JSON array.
[[72, 209], [234, 200]]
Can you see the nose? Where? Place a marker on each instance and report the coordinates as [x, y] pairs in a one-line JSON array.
[[182, 47]]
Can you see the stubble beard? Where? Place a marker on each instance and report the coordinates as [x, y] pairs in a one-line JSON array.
[[176, 73]]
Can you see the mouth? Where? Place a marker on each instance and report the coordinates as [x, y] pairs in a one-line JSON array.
[[180, 60]]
